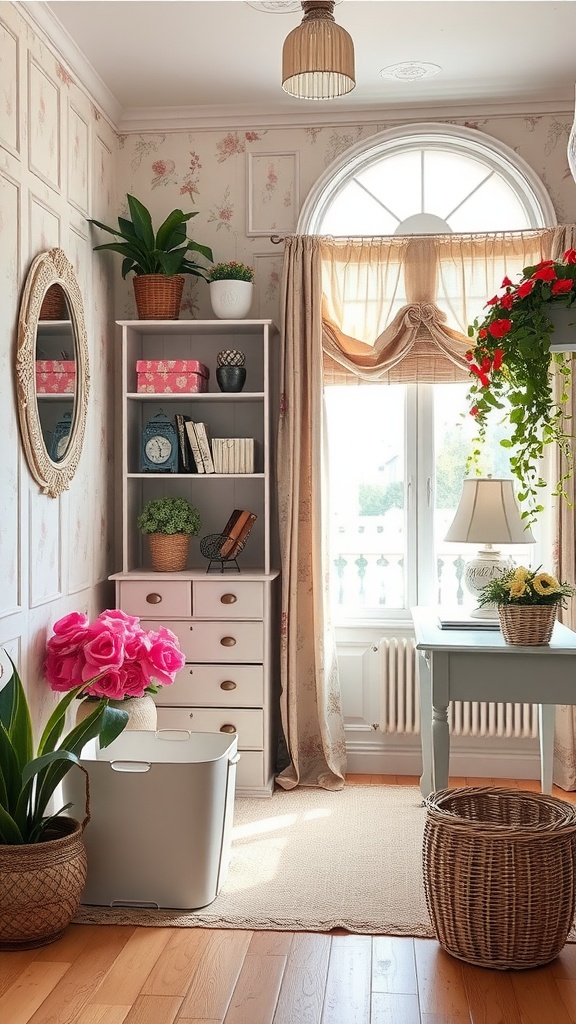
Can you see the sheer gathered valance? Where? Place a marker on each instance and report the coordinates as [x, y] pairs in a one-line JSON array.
[[397, 309]]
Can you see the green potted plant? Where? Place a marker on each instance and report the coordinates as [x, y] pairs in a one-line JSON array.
[[169, 523], [513, 371], [157, 259], [42, 855], [231, 289]]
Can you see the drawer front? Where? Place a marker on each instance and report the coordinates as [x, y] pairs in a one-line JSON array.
[[228, 599], [224, 686], [161, 598], [217, 642], [249, 725], [250, 773]]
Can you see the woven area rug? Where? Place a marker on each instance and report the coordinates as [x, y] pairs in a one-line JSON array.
[[311, 860]]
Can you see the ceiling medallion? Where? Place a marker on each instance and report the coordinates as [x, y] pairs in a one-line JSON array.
[[410, 71], [276, 6]]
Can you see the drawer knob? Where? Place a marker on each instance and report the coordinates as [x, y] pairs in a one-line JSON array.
[[228, 641], [227, 728], [228, 599], [153, 598], [227, 684]]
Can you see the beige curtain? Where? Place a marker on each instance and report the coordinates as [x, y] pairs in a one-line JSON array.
[[565, 731], [353, 311]]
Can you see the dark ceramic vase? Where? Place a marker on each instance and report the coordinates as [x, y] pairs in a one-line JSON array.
[[231, 378]]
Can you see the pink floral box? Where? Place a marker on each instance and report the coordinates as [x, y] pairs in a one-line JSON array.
[[55, 376], [169, 376]]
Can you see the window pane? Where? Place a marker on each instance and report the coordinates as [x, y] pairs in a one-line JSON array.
[[366, 472]]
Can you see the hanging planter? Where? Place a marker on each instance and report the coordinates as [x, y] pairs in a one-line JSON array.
[[513, 362]]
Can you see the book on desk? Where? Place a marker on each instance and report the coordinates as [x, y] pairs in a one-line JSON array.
[[464, 620]]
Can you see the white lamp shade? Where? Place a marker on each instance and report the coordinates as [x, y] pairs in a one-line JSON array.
[[488, 513]]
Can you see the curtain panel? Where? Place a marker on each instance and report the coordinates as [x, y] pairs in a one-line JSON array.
[[355, 311]]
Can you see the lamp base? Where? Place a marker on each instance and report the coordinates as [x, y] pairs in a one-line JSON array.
[[486, 566], [487, 611]]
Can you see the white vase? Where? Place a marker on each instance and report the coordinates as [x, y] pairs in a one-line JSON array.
[[231, 300], [142, 712]]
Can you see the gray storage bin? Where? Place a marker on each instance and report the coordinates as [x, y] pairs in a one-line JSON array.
[[161, 811]]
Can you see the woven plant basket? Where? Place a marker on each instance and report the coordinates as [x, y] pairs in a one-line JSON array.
[[169, 551], [158, 297], [40, 886], [528, 624], [499, 875], [142, 713], [54, 304]]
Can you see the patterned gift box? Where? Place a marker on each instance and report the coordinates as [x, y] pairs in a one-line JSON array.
[[55, 376], [169, 376]]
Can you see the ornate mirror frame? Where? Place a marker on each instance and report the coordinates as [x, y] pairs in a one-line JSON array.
[[52, 267]]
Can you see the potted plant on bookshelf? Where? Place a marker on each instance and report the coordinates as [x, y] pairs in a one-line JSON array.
[[169, 524], [231, 290], [42, 853], [158, 259]]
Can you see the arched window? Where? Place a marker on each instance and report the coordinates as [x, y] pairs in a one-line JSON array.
[[397, 451]]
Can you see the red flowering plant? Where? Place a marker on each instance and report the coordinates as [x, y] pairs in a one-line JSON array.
[[513, 370], [111, 657]]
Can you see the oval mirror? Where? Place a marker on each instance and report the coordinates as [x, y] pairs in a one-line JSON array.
[[52, 371]]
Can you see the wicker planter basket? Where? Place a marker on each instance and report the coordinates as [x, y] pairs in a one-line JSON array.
[[528, 624], [499, 875], [40, 886], [158, 297], [169, 551]]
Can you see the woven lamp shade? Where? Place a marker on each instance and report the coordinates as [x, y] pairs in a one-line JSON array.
[[318, 56]]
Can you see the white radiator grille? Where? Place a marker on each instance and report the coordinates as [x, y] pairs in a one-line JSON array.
[[400, 705]]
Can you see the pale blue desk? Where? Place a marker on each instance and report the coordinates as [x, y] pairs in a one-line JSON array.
[[475, 664]]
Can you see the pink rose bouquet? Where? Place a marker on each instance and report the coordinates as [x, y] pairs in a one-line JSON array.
[[111, 657]]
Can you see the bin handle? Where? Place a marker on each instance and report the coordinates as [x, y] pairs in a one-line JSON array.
[[235, 759], [174, 734], [130, 766]]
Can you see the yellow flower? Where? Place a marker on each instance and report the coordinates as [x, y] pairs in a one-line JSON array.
[[517, 589], [521, 573], [545, 584]]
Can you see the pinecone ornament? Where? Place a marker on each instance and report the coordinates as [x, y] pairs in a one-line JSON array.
[[230, 357]]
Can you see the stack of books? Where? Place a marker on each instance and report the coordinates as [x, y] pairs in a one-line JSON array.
[[236, 531], [199, 453]]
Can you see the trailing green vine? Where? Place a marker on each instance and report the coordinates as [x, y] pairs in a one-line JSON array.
[[512, 375]]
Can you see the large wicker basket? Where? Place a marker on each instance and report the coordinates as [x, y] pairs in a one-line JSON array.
[[158, 297], [499, 875], [54, 304], [528, 624]]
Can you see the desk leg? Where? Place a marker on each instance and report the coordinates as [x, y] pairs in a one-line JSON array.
[[440, 747], [546, 719], [426, 785]]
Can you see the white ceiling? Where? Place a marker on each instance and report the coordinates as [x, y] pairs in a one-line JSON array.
[[224, 58]]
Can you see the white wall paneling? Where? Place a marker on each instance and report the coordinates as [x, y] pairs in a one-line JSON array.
[[9, 90]]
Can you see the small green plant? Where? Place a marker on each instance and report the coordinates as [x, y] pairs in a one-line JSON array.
[[169, 515], [232, 271], [148, 252], [29, 780]]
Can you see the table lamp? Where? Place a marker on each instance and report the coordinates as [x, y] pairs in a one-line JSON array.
[[488, 514]]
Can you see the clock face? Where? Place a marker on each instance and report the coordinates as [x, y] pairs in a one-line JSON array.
[[62, 446], [158, 449]]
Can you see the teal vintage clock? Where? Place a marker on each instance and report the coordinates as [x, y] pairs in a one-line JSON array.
[[60, 438], [159, 451]]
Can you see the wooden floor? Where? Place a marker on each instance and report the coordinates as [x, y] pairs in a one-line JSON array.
[[111, 975]]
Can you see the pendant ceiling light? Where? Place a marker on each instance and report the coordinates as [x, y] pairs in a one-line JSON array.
[[318, 56]]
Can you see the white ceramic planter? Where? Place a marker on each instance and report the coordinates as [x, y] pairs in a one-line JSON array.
[[231, 300]]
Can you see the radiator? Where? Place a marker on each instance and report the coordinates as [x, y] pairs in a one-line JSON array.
[[400, 705]]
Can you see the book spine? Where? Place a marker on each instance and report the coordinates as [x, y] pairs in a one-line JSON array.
[[194, 446], [203, 437], [242, 535], [183, 456]]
